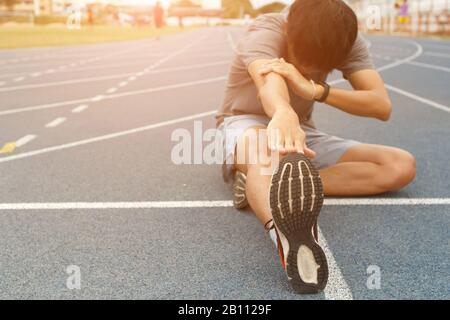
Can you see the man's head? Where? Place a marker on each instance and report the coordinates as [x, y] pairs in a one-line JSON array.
[[320, 33]]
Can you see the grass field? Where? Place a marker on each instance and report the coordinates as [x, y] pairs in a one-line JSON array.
[[44, 36]]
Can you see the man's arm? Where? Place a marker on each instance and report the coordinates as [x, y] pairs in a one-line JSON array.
[[368, 99], [274, 95], [272, 89]]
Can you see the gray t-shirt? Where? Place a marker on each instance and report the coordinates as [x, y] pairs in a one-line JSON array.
[[265, 39]]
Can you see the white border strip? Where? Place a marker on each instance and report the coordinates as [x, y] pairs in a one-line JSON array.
[[212, 204]]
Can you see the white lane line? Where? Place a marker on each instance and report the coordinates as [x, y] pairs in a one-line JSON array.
[[24, 140], [214, 204], [416, 54], [418, 98], [115, 76], [80, 108], [106, 137], [55, 122], [337, 288], [172, 55], [427, 45], [123, 84], [72, 65], [386, 201], [207, 55], [111, 90], [61, 83], [98, 98], [114, 96], [190, 67], [429, 66], [95, 67], [416, 63], [19, 79], [41, 58], [163, 88], [115, 205], [19, 66], [437, 54]]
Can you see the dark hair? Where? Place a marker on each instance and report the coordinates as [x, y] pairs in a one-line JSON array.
[[321, 32]]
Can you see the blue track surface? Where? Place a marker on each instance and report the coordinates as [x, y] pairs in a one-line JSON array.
[[200, 252]]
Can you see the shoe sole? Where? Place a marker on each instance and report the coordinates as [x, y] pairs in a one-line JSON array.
[[239, 196], [296, 198]]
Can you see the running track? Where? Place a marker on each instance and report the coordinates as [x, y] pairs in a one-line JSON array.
[[87, 178]]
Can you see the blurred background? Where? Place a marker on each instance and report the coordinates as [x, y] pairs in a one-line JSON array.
[[109, 20]]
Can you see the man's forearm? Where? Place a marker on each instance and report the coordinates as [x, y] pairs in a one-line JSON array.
[[274, 96], [365, 103]]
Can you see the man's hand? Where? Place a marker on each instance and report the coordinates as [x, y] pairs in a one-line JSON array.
[[285, 134], [298, 83]]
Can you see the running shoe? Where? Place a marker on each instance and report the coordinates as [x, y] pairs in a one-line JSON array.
[[296, 198], [239, 196]]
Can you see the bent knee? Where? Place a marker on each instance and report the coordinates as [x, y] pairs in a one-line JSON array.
[[399, 172]]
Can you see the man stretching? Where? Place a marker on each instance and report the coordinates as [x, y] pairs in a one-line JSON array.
[[277, 74]]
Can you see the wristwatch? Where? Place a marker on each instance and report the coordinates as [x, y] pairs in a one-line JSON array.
[[326, 91]]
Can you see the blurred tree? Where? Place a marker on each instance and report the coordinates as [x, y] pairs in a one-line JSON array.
[[237, 8], [272, 7], [9, 4]]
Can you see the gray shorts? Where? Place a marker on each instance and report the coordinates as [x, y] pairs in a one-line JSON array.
[[329, 149]]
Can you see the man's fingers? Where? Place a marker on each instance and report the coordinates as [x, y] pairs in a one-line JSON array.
[[299, 140], [280, 70], [265, 71], [309, 152], [298, 145], [280, 143], [275, 139], [289, 144]]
